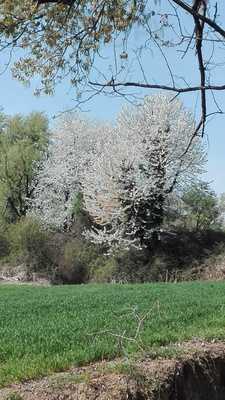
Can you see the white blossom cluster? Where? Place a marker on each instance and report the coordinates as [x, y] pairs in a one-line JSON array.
[[126, 172], [59, 178], [142, 162]]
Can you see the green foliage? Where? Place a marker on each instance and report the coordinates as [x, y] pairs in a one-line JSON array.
[[75, 264], [81, 219], [29, 245], [133, 266], [174, 257], [4, 246], [130, 266], [22, 143], [33, 128], [64, 258], [50, 328], [201, 209], [78, 205], [103, 270]]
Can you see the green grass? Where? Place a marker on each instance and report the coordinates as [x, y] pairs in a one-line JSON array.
[[48, 328]]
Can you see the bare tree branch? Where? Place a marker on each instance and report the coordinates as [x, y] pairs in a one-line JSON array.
[[176, 89], [203, 18]]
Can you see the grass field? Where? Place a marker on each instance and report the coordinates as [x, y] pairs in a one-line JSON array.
[[49, 328]]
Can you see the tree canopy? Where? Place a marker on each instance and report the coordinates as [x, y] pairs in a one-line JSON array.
[[72, 142], [22, 143], [201, 207]]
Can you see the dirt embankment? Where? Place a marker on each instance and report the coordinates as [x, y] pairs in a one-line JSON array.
[[196, 373]]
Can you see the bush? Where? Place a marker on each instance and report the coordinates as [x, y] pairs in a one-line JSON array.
[[75, 263], [126, 266], [174, 257], [29, 246], [134, 266], [4, 242], [4, 246], [64, 258], [103, 270]]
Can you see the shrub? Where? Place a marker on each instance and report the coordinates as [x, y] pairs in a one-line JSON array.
[[75, 263], [174, 257], [4, 242], [29, 245], [131, 266], [4, 246], [103, 270]]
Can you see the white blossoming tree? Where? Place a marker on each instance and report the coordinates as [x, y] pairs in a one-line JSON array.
[[58, 181], [126, 173], [150, 153]]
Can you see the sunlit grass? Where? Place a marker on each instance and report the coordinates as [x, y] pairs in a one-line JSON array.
[[44, 329]]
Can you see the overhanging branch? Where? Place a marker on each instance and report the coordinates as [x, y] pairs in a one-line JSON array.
[[113, 84]]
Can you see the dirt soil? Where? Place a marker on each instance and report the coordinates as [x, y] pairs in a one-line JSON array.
[[196, 371]]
